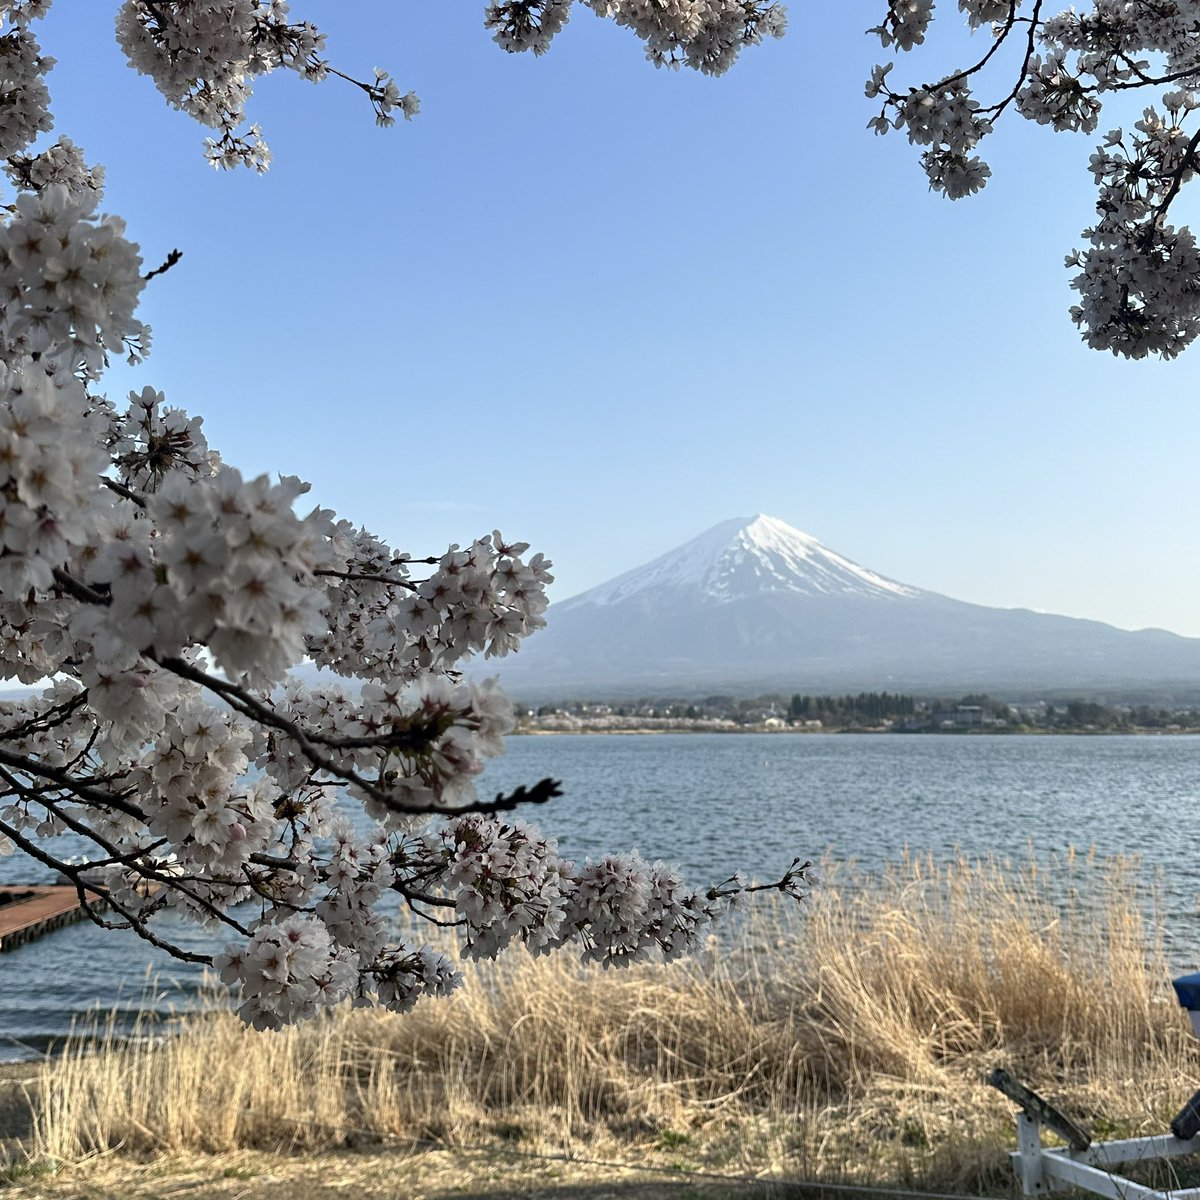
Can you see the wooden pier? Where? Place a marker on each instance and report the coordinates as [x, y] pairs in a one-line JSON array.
[[29, 910]]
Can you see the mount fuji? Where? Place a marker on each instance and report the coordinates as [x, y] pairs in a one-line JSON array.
[[755, 605]]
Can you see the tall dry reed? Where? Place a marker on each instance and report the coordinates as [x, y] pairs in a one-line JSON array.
[[850, 1037]]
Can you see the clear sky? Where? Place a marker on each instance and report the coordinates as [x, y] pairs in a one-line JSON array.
[[604, 307]]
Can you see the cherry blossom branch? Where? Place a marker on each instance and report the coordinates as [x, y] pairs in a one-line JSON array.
[[1187, 163], [789, 883], [998, 41], [1023, 74], [80, 591], [248, 706], [83, 788], [115, 485], [172, 258], [45, 721], [135, 860], [82, 888]]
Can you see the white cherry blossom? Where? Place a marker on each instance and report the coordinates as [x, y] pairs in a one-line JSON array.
[[1136, 278], [169, 600]]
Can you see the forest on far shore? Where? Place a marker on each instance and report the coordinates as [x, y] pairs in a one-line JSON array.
[[895, 711]]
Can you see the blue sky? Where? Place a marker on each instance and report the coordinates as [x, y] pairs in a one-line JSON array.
[[604, 307]]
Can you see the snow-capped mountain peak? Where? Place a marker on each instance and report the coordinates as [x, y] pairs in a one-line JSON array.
[[745, 557], [754, 605]]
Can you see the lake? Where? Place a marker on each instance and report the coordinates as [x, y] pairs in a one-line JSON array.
[[717, 802]]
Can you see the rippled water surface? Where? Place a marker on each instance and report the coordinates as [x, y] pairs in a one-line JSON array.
[[715, 802]]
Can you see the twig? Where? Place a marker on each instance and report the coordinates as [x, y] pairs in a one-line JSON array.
[[169, 262]]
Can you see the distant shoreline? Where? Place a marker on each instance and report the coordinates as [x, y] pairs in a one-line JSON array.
[[640, 731]]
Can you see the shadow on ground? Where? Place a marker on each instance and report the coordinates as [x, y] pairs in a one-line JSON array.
[[16, 1117], [681, 1188], [349, 1175]]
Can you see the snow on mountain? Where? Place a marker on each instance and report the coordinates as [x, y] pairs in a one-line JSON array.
[[755, 605], [741, 557]]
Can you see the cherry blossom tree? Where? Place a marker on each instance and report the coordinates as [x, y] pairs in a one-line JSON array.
[[1138, 276], [158, 602]]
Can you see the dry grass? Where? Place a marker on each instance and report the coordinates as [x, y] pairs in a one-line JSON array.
[[848, 1039]]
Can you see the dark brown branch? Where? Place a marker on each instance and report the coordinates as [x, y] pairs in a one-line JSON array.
[[270, 860], [245, 704], [998, 108], [997, 42], [77, 759], [45, 721], [82, 788], [540, 793], [367, 577], [797, 871], [456, 924], [121, 490], [73, 873], [165, 266], [80, 591], [1188, 163]]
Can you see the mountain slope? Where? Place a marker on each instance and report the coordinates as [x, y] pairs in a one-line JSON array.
[[755, 605], [739, 558]]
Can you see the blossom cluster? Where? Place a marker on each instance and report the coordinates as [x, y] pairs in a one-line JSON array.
[[526, 24], [62, 163], [706, 35], [25, 111], [484, 598], [512, 885], [408, 748], [287, 971], [1136, 278], [70, 282], [48, 477], [1139, 278]]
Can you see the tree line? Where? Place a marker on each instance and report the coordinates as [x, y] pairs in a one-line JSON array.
[[870, 706]]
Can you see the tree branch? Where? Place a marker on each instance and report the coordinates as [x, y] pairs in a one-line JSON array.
[[82, 788], [1187, 163], [80, 591], [121, 490], [999, 107], [73, 873], [172, 258]]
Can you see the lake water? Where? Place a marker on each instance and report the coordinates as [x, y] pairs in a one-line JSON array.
[[714, 803]]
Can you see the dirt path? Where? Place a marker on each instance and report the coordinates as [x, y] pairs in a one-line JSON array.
[[345, 1175]]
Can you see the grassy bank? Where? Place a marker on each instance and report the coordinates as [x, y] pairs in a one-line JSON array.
[[848, 1039]]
